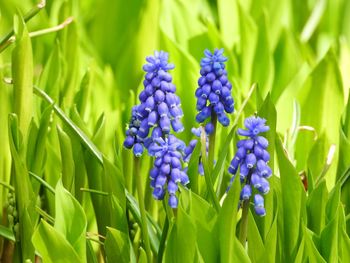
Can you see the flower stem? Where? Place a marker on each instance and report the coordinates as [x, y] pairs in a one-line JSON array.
[[208, 166], [142, 209], [212, 143], [169, 217], [244, 222]]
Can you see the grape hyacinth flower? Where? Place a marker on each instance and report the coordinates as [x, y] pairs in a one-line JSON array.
[[167, 171], [252, 160], [160, 106], [214, 91]]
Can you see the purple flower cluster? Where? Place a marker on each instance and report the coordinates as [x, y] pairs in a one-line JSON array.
[[167, 172], [132, 140], [159, 107], [214, 91], [159, 111], [252, 160]]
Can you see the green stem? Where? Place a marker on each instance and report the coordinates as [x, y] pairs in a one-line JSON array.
[[208, 163], [144, 230], [244, 222], [212, 143], [164, 235]]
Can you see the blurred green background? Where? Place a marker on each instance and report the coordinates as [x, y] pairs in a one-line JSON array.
[[297, 51]]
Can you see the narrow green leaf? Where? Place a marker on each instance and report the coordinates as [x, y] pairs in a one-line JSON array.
[[22, 75], [293, 197], [227, 223]]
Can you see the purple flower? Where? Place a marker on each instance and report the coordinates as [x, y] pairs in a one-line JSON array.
[[251, 159], [214, 91], [167, 172], [159, 110]]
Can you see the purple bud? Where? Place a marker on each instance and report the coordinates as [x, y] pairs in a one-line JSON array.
[[165, 124], [158, 193], [206, 89], [154, 172], [177, 125], [155, 82], [167, 158], [250, 160], [258, 151], [260, 210], [210, 77], [176, 175], [143, 96], [225, 93], [199, 92], [149, 76], [172, 187], [164, 86], [165, 168], [219, 108], [176, 112], [264, 186], [138, 149], [149, 104], [213, 98], [175, 162], [173, 202], [184, 178], [129, 142], [265, 156], [223, 119], [246, 192], [241, 153], [159, 96], [229, 108], [201, 81], [158, 162], [255, 180], [201, 103], [216, 86], [152, 118], [163, 109], [263, 142], [171, 99], [157, 132], [149, 90], [243, 170], [209, 128], [223, 79]]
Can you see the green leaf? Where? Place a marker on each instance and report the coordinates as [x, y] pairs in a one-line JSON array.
[[310, 249], [68, 167], [22, 75], [227, 224], [315, 98], [25, 199], [117, 246], [293, 201], [256, 248], [181, 241], [70, 220], [204, 217], [316, 208], [7, 233], [53, 246]]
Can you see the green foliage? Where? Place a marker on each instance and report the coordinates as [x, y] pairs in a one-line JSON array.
[[66, 94]]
